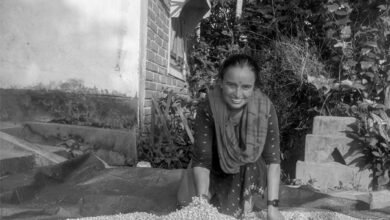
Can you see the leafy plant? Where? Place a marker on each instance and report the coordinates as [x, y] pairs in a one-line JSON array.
[[373, 132], [359, 33], [171, 143]]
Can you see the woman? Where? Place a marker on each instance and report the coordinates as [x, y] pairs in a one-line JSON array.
[[237, 150]]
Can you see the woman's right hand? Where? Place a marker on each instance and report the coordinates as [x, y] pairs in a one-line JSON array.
[[273, 213], [205, 197]]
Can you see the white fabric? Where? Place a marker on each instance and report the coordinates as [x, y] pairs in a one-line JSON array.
[[186, 15]]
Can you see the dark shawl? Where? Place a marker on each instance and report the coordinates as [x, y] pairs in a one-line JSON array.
[[253, 130]]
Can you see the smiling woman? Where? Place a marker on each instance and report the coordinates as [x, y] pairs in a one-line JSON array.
[[236, 152]]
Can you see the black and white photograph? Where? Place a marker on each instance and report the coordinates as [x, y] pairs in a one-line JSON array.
[[194, 109]]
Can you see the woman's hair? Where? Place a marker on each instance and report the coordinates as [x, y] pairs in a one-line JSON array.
[[240, 60]]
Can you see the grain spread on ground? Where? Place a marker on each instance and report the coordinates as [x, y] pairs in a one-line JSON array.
[[200, 209]]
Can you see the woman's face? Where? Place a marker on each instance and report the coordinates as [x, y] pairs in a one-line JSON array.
[[237, 86]]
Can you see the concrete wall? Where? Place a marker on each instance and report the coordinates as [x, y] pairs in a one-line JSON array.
[[46, 41]]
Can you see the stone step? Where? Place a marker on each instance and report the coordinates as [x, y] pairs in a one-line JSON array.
[[332, 175], [328, 148], [14, 159], [42, 156], [380, 199], [327, 125]]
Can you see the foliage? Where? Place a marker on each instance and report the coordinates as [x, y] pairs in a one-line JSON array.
[[171, 145], [316, 57], [359, 33], [87, 110], [373, 132], [203, 70], [301, 61]]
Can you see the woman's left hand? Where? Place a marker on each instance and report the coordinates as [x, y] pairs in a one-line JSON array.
[[273, 213]]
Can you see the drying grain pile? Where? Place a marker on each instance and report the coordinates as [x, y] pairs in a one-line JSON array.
[[199, 209]]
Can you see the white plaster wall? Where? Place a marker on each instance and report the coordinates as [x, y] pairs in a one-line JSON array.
[[43, 41]]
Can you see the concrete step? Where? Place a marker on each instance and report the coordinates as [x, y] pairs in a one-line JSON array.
[[380, 199], [18, 155], [328, 148], [332, 175], [15, 160], [328, 125], [42, 156]]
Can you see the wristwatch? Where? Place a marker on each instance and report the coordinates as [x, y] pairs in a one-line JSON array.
[[274, 203]]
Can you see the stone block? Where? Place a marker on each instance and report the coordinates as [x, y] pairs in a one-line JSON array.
[[328, 148], [380, 199], [327, 125], [330, 175]]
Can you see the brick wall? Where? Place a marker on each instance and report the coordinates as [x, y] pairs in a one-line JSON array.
[[156, 76]]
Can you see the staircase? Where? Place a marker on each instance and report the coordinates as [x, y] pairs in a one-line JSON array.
[[328, 156]]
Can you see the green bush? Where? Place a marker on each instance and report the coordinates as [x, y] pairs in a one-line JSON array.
[[170, 145], [373, 132]]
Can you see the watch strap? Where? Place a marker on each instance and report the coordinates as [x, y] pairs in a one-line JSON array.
[[274, 202]]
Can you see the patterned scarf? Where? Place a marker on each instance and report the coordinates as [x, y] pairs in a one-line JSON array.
[[253, 130]]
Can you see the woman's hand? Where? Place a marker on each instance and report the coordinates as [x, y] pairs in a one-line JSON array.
[[205, 197], [273, 213]]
